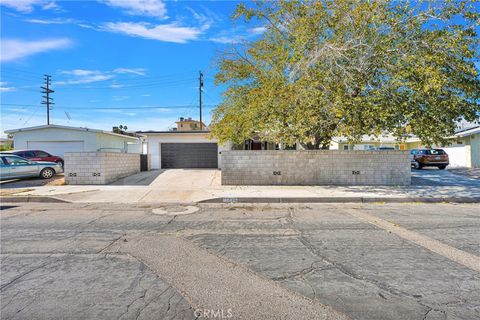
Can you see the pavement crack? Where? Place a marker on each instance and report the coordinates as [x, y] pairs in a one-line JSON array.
[[311, 287], [24, 274], [301, 273], [426, 313]]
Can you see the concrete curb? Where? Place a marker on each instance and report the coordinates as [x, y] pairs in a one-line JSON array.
[[345, 200], [15, 199]]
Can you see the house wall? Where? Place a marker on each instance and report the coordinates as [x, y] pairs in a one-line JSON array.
[[21, 138], [154, 141], [316, 167], [366, 145], [475, 150], [112, 143], [86, 168]]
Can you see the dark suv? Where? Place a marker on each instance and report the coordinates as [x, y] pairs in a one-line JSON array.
[[37, 155], [429, 158]]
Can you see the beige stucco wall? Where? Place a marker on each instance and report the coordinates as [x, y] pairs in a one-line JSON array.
[[475, 150], [155, 139], [112, 143]]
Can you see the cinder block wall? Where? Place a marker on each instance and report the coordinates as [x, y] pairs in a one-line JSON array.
[[99, 167], [316, 167]]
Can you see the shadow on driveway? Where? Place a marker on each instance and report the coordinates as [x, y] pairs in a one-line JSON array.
[[436, 177], [144, 178]]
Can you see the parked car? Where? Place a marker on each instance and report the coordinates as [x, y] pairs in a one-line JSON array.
[[37, 155], [15, 167], [429, 158]]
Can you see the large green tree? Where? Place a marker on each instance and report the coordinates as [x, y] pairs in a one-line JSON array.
[[349, 68]]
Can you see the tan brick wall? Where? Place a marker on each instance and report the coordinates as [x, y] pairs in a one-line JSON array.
[[99, 167], [316, 167]]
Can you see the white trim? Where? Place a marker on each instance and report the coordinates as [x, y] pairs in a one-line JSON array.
[[468, 132]]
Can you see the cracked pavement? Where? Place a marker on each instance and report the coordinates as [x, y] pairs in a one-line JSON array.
[[118, 261]]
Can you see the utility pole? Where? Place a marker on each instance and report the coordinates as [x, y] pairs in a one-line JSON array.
[[200, 87], [48, 100]]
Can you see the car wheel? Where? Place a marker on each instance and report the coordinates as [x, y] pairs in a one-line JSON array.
[[418, 165], [442, 167], [47, 173]]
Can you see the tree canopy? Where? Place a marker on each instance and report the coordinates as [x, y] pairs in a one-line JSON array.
[[350, 68]]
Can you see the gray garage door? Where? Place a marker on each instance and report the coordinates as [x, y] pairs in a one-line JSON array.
[[189, 155]]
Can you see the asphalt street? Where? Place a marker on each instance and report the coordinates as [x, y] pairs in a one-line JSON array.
[[213, 261]]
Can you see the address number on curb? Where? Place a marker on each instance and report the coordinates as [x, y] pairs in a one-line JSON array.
[[355, 172], [277, 173]]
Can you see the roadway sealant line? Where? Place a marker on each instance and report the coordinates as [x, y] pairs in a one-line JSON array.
[[210, 282], [234, 199], [466, 259]]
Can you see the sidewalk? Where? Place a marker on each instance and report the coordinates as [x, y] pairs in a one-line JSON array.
[[187, 186], [147, 194]]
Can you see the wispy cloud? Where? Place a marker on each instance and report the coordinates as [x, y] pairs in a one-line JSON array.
[[25, 6], [15, 49], [137, 71], [51, 21], [5, 88], [120, 98], [237, 35], [164, 32], [150, 8], [257, 30], [83, 76]]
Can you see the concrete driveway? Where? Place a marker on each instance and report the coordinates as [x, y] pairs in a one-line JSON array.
[[315, 261], [174, 178], [436, 177]]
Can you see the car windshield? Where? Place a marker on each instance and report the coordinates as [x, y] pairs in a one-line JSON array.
[[436, 151], [15, 160]]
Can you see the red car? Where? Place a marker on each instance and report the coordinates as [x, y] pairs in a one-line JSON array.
[[38, 155]]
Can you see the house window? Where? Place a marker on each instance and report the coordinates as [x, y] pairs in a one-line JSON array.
[[345, 147]]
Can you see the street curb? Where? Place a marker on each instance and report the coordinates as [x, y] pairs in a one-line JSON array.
[[15, 199], [344, 200]]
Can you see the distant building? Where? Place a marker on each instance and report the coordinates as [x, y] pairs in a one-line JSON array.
[[188, 124]]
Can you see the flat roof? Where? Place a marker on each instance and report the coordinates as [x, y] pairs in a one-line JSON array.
[[56, 126]]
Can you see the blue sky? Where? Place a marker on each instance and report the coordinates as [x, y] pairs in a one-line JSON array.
[[113, 62]]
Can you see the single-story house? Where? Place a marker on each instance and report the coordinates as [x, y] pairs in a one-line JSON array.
[[57, 140], [463, 148], [183, 149], [368, 143]]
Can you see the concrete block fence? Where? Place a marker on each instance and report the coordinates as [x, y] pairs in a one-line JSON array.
[[99, 167], [316, 167]]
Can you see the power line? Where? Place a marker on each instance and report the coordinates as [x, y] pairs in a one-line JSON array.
[[109, 108]]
